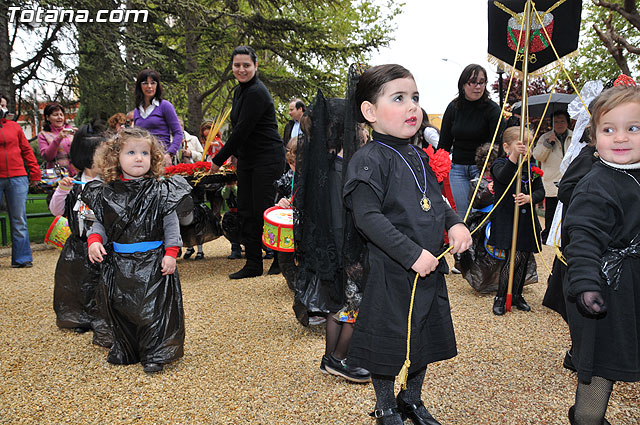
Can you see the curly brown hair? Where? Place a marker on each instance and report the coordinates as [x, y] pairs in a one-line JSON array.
[[107, 155]]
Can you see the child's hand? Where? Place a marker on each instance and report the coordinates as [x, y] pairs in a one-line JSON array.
[[425, 264], [168, 265], [517, 148], [284, 203], [521, 199], [66, 181], [459, 238], [96, 252], [490, 187]]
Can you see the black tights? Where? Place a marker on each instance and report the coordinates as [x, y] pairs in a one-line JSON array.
[[338, 338], [383, 386], [519, 274], [592, 401]]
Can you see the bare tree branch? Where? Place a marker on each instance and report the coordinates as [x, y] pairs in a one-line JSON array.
[[623, 41], [42, 51], [629, 11]]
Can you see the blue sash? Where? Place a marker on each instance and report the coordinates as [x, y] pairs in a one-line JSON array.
[[129, 248]]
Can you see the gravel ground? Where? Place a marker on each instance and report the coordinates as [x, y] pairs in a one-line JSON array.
[[247, 360]]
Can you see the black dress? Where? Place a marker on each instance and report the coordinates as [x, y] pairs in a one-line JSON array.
[[77, 300], [502, 172], [382, 192], [144, 307], [604, 213]]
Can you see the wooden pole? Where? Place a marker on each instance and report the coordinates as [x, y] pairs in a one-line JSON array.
[[526, 26]]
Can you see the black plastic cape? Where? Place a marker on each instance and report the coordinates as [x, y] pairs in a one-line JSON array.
[[77, 301], [144, 307]]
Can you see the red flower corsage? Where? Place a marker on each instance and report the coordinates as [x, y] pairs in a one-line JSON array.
[[537, 172], [439, 161]]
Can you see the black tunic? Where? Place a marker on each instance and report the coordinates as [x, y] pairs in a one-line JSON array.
[[145, 308], [77, 300], [604, 212], [502, 172], [385, 199]]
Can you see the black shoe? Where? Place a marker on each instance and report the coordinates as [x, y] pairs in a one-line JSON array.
[[199, 256], [269, 255], [387, 416], [26, 265], [323, 364], [188, 253], [341, 368], [81, 329], [498, 306], [418, 414], [245, 272], [235, 255], [520, 303], [567, 363], [151, 367]]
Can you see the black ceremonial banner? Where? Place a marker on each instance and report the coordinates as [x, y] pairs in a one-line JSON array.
[[560, 19]]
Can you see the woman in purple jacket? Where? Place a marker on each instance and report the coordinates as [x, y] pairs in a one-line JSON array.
[[156, 115]]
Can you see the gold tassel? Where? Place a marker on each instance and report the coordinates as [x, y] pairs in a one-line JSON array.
[[404, 374]]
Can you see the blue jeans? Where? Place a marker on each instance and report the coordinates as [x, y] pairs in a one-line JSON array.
[[15, 191], [460, 179]]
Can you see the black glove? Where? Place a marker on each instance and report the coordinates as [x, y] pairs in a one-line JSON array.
[[591, 302]]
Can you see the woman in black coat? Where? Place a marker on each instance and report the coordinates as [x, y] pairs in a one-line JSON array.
[[257, 145]]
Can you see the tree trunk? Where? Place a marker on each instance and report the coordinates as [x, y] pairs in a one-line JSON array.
[[194, 97], [6, 78]]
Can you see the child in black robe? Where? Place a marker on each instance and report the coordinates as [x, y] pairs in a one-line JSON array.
[[137, 234], [603, 255], [398, 206], [528, 237]]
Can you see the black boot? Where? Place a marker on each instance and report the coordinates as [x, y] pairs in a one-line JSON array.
[[247, 271], [418, 414], [389, 416], [499, 306]]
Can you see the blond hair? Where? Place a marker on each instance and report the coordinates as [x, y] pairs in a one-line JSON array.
[[108, 154], [609, 99], [511, 134]]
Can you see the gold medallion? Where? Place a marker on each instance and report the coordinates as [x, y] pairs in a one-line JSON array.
[[425, 203]]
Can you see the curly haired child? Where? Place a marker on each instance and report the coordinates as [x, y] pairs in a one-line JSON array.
[[136, 236]]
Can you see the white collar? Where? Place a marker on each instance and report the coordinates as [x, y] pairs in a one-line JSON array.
[[145, 112], [634, 166]]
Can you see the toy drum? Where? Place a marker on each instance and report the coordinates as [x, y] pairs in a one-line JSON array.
[[278, 229], [58, 232]]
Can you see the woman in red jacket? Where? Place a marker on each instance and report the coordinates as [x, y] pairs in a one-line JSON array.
[[15, 151]]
